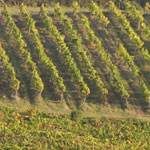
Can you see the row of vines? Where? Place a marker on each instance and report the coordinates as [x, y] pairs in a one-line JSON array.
[[70, 47]]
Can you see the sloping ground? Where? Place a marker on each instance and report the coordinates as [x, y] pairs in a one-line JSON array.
[[110, 36]]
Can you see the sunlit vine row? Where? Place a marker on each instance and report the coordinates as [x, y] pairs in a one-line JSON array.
[[76, 7], [126, 24], [130, 61], [64, 51], [105, 58], [122, 51], [76, 43], [132, 34], [96, 11], [39, 49], [36, 84], [137, 17], [12, 81]]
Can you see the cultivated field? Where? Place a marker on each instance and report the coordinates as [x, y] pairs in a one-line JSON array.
[[65, 60], [93, 54], [42, 131]]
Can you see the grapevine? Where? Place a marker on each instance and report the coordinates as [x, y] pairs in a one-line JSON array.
[[129, 59], [137, 17], [39, 49], [63, 49], [126, 24], [117, 82], [96, 11], [132, 34], [76, 44], [13, 82], [36, 84]]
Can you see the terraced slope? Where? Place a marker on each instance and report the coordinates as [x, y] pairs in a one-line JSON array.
[[95, 55]]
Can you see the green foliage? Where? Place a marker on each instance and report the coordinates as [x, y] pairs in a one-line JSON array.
[[146, 92], [36, 84], [132, 34], [39, 49], [76, 7], [147, 7], [63, 49], [105, 58], [135, 69], [136, 16], [76, 44], [87, 65], [126, 24], [42, 131], [128, 59], [96, 11], [12, 81]]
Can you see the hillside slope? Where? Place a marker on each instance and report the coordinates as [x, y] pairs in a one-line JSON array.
[[94, 55]]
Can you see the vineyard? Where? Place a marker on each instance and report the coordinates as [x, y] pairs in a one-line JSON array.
[[42, 131], [75, 78], [96, 55]]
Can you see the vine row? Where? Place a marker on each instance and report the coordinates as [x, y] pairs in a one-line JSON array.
[[13, 82], [105, 58], [132, 34], [135, 69], [96, 11], [137, 17], [126, 24], [64, 51], [76, 44], [40, 51], [36, 84]]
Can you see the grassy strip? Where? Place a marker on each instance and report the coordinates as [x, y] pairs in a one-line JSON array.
[[14, 10]]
